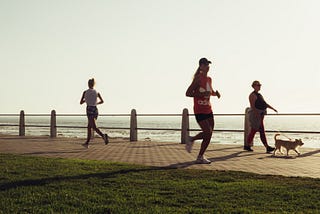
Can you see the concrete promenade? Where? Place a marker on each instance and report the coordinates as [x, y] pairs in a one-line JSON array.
[[223, 157]]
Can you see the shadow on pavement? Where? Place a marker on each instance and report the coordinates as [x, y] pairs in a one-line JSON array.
[[309, 153], [284, 156], [226, 148], [44, 181], [231, 156], [53, 152], [216, 159]]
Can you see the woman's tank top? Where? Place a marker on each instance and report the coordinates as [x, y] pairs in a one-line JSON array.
[[202, 105], [260, 102], [91, 97]]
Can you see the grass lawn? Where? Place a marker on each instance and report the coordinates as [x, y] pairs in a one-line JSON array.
[[49, 185]]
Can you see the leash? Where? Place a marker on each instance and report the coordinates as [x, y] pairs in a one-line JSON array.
[[279, 132]]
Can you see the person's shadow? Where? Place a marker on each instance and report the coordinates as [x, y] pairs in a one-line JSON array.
[[284, 156], [216, 159]]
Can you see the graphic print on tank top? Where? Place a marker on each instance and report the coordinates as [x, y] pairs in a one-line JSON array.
[[202, 105]]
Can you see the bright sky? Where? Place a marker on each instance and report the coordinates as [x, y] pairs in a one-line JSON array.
[[143, 53]]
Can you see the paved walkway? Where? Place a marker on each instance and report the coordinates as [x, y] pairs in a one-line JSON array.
[[224, 157]]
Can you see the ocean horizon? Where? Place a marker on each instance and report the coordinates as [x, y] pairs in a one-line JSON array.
[[274, 123]]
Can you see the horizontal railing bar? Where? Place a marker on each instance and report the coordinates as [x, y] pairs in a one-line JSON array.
[[9, 124], [159, 115], [294, 132], [72, 127], [158, 129], [165, 129], [150, 115], [84, 115], [117, 128], [297, 114], [230, 130], [37, 115], [38, 126], [218, 130], [267, 131], [84, 127]]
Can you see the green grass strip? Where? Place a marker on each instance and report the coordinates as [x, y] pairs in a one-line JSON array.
[[51, 185]]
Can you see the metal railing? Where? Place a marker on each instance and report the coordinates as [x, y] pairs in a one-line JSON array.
[[185, 129]]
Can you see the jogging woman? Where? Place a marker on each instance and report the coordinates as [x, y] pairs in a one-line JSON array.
[[201, 91], [90, 97]]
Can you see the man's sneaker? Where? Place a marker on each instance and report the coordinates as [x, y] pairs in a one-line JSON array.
[[202, 160], [269, 149], [85, 145], [106, 139], [189, 144], [248, 148]]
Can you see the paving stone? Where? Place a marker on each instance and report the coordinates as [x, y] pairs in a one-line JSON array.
[[173, 155]]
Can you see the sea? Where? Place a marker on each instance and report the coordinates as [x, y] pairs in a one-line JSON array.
[[108, 123]]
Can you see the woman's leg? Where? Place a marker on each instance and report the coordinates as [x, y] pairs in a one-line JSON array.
[[90, 119], [263, 135], [250, 137], [199, 136], [206, 127], [94, 126], [264, 139]]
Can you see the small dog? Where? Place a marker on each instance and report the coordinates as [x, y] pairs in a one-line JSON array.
[[288, 144]]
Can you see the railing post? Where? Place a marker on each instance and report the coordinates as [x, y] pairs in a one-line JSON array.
[[246, 126], [53, 124], [185, 126], [133, 126], [22, 127]]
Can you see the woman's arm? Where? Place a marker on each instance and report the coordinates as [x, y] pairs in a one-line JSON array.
[[100, 98], [270, 107], [215, 93], [82, 99], [252, 99], [193, 89]]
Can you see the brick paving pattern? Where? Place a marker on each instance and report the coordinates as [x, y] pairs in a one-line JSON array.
[[173, 155]]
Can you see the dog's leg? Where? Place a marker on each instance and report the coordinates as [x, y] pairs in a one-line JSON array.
[[274, 152], [280, 150], [297, 151]]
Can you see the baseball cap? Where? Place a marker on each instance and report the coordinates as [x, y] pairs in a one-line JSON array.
[[204, 61]]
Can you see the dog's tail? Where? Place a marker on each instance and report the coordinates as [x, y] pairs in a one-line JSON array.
[[275, 137]]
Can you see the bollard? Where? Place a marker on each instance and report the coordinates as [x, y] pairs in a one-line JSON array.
[[53, 124], [133, 126], [184, 126], [22, 127], [247, 127]]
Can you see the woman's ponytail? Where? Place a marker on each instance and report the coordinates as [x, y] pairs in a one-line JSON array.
[[197, 72], [91, 82]]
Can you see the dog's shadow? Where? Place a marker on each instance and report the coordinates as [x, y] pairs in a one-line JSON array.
[[284, 156], [304, 155]]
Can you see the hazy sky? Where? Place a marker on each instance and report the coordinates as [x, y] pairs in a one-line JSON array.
[[143, 53]]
